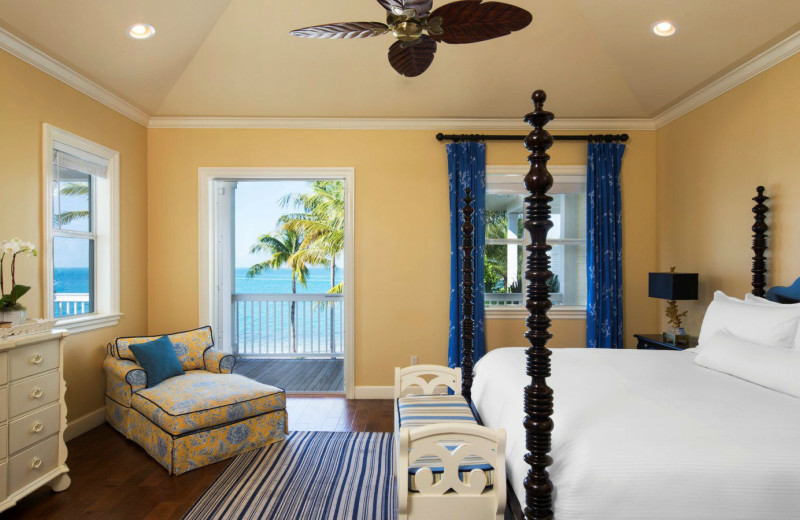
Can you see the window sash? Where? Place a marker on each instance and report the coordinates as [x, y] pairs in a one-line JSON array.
[[509, 184]]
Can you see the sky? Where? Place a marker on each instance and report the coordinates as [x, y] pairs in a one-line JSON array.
[[257, 212]]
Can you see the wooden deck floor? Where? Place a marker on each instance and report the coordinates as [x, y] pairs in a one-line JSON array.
[[295, 375]]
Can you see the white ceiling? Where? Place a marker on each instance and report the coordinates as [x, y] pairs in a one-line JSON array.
[[596, 59]]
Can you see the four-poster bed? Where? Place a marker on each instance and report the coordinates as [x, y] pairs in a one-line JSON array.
[[605, 388]]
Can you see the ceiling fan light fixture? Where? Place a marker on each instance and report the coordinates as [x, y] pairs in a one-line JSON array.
[[663, 28], [407, 31], [141, 31]]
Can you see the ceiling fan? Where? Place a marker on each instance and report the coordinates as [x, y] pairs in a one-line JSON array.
[[464, 21]]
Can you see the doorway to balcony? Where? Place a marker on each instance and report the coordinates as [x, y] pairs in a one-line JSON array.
[[280, 256]]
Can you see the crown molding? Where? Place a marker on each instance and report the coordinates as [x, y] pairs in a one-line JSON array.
[[33, 56], [474, 125], [753, 67]]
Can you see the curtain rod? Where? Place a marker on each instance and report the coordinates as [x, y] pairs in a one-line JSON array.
[[479, 137]]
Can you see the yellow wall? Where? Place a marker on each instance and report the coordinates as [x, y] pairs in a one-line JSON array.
[[28, 98], [709, 164], [401, 231]]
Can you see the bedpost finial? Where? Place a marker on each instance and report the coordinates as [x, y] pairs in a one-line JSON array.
[[539, 97], [760, 190]]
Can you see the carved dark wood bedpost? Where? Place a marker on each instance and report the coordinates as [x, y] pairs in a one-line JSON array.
[[760, 243], [538, 396], [467, 324]]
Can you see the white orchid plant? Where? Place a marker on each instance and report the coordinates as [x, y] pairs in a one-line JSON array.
[[14, 247]]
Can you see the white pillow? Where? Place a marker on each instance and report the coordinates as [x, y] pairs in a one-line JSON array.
[[776, 326], [773, 367], [752, 299]]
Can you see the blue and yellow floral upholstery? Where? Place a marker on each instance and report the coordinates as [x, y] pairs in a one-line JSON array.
[[200, 399], [123, 379], [190, 346], [218, 362], [198, 418]]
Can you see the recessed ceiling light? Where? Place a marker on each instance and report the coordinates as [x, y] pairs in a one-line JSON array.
[[663, 28], [141, 31]]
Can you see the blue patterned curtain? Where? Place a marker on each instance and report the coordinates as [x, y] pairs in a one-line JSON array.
[[467, 168], [604, 250]]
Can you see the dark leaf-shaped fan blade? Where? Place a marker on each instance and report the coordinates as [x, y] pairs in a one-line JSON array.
[[397, 7], [468, 21], [342, 31], [414, 60]]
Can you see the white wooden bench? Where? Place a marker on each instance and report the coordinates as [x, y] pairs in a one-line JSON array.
[[446, 465]]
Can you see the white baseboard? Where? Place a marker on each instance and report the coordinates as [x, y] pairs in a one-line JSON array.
[[81, 425], [374, 392]]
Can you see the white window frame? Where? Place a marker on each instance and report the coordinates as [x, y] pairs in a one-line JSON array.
[[209, 247], [509, 179], [105, 212]]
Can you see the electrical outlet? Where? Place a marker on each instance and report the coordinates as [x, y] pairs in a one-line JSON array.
[[413, 360]]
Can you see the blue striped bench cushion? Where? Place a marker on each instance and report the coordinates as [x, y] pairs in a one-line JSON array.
[[422, 410]]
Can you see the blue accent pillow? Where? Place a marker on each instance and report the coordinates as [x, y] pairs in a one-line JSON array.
[[158, 359]]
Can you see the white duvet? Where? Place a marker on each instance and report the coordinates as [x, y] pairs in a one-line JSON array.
[[642, 434]]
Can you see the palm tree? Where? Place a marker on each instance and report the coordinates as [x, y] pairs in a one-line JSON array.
[[322, 224], [73, 189], [284, 249]]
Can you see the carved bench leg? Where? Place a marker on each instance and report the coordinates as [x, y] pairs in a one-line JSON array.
[[60, 483]]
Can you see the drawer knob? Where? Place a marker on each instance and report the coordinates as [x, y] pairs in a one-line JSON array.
[[37, 393], [36, 359], [36, 463], [37, 427]]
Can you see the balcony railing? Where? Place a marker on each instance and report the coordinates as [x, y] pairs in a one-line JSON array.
[[70, 304], [264, 326], [494, 299]]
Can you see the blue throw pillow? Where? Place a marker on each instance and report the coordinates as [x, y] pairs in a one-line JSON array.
[[158, 359]]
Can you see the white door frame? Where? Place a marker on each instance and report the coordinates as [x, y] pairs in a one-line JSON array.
[[207, 246]]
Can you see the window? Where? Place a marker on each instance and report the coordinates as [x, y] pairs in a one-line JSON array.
[[82, 237], [504, 260]]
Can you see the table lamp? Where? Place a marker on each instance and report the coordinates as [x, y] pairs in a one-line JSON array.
[[672, 287]]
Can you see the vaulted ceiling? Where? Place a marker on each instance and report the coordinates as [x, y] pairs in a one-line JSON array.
[[596, 59]]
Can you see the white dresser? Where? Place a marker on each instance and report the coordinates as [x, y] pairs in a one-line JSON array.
[[32, 415]]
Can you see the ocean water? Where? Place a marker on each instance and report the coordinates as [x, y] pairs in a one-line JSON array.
[[278, 281], [263, 327]]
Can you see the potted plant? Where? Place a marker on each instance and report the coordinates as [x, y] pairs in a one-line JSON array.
[[10, 308]]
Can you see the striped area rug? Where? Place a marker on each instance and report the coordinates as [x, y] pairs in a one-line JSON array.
[[310, 476]]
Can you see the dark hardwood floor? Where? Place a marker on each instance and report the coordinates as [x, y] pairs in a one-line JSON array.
[[295, 375], [114, 479]]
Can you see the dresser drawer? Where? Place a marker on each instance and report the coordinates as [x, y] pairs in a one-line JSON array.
[[33, 359], [31, 428], [3, 480], [3, 404], [3, 368], [32, 463], [3, 441], [33, 393]]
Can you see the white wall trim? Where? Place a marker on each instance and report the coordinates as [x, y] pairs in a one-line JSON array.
[[753, 67], [207, 245], [374, 392], [367, 123], [83, 424], [33, 56]]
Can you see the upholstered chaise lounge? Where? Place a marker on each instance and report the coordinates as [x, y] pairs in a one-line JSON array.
[[205, 415]]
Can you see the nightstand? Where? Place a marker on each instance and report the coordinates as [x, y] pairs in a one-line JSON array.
[[656, 342]]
